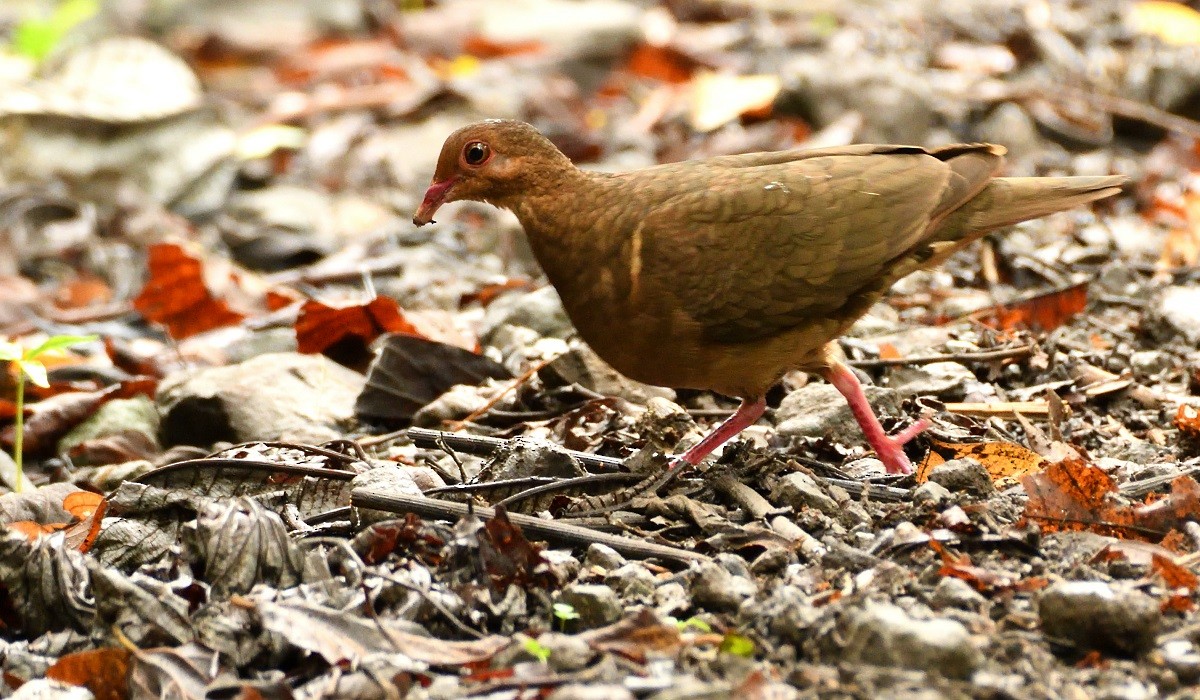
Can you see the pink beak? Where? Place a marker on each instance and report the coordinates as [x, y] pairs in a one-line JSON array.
[[435, 196]]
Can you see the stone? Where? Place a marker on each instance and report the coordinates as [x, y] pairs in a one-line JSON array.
[[799, 490], [1093, 615], [597, 605], [281, 396], [963, 476], [885, 635], [818, 410]]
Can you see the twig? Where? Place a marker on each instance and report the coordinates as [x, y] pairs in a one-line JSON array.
[[982, 356], [458, 424], [480, 445], [761, 509], [549, 529]]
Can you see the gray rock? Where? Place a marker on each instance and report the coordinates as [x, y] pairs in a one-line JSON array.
[[799, 490], [953, 592], [540, 310], [1012, 126], [671, 598], [931, 494], [885, 635], [818, 410], [1149, 362], [1183, 657], [284, 396], [567, 652], [1091, 615], [1179, 309], [714, 587], [963, 476], [597, 605], [632, 580], [602, 556], [390, 479], [582, 366], [946, 380]]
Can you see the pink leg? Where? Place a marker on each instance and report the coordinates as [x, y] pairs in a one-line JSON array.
[[889, 449], [745, 416]]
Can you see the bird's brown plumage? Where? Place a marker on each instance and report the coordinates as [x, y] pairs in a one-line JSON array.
[[725, 273]]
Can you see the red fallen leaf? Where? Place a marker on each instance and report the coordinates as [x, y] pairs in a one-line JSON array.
[[1173, 574], [177, 295], [508, 557], [1187, 419], [887, 351], [83, 290], [105, 672], [487, 294], [80, 535], [1074, 495], [664, 63], [1180, 603], [32, 530], [482, 47], [83, 504], [345, 333], [1044, 311], [1172, 510]]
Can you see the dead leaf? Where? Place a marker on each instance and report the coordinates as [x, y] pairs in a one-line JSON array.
[[1187, 419], [1005, 462], [664, 63], [636, 637], [1074, 495], [1174, 575], [718, 98], [509, 558], [177, 294], [105, 671], [345, 333], [1044, 311], [1173, 510]]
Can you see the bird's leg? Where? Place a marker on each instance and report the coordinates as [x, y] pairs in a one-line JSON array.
[[890, 449], [744, 417]]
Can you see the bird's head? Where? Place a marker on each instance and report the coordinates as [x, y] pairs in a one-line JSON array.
[[494, 161]]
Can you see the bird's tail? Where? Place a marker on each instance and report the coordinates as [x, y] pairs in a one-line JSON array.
[[1006, 201], [1009, 200]]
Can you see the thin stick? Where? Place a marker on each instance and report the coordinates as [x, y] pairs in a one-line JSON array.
[[983, 356], [549, 529]]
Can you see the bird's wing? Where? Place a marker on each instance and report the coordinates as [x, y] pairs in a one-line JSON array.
[[760, 244]]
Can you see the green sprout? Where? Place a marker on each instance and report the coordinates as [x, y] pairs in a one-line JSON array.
[[36, 37], [28, 365], [691, 623], [536, 649], [565, 612], [738, 645]]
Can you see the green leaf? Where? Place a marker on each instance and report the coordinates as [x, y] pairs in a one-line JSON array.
[[536, 649], [36, 37], [58, 342], [9, 351], [738, 645], [35, 370], [694, 623]]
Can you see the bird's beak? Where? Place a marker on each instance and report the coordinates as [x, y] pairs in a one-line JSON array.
[[435, 196]]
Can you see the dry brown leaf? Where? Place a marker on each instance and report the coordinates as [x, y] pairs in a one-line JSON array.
[[1044, 311], [177, 294], [345, 333], [1187, 419], [1174, 575], [105, 672], [1005, 462]]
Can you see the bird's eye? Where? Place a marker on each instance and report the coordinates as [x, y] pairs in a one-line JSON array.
[[475, 153]]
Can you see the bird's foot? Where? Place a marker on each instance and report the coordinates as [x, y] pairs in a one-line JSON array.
[[890, 448]]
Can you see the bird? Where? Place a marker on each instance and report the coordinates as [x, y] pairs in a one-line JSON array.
[[725, 273]]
